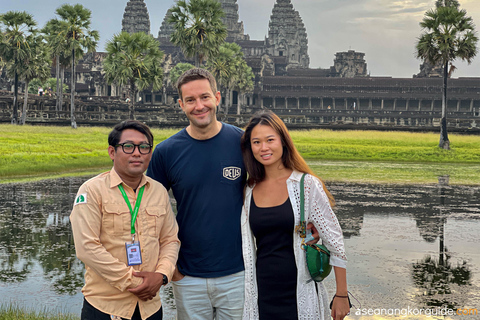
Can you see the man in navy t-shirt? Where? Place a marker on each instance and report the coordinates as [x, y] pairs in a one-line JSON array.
[[203, 166]]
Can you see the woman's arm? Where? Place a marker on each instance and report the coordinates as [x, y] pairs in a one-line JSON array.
[[326, 222], [340, 305]]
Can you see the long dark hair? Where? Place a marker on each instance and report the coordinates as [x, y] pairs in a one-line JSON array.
[[291, 158]]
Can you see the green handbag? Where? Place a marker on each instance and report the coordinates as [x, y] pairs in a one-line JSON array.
[[317, 255]]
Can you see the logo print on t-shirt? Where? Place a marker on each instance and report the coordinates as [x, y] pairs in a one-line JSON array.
[[232, 173]]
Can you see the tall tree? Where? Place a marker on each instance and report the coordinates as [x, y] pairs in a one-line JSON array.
[[198, 28], [178, 70], [134, 59], [448, 34], [36, 65], [60, 55], [19, 29], [223, 67], [231, 71], [75, 29], [245, 81]]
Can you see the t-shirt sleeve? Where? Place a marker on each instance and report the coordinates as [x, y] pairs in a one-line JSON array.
[[157, 167]]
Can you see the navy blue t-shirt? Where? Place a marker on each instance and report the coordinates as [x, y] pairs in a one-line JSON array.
[[207, 179]]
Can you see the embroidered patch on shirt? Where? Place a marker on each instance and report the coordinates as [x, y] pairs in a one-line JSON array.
[[81, 198]]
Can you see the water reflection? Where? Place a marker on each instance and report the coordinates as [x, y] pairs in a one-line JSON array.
[[394, 268], [403, 243], [35, 228], [441, 282]]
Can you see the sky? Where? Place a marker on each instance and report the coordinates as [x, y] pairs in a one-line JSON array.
[[385, 30]]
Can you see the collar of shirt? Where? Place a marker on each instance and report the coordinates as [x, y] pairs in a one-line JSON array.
[[115, 180]]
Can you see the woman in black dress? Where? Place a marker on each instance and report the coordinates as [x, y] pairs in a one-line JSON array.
[[277, 282]]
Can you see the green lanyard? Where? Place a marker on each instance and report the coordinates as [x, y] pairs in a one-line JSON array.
[[134, 212]]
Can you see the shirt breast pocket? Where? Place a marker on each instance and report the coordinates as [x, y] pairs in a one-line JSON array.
[[154, 219], [116, 220]]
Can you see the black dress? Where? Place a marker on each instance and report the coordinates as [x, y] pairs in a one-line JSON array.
[[275, 266]]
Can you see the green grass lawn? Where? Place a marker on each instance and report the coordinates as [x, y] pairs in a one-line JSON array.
[[37, 152], [12, 312]]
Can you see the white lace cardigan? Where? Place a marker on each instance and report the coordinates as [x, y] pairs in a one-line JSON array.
[[318, 211]]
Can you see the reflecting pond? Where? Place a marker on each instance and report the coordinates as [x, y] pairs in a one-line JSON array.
[[411, 249]]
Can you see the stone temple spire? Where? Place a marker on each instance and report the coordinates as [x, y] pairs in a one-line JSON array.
[[136, 18], [234, 27], [166, 29], [287, 35]]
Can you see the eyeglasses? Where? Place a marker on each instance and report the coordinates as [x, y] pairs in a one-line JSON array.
[[129, 148]]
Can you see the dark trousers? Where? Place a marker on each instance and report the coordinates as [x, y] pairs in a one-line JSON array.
[[89, 312]]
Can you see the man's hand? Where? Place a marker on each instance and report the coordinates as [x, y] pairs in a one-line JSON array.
[[177, 275], [314, 233], [152, 282]]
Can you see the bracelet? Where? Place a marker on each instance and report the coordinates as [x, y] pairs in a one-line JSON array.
[[337, 296]]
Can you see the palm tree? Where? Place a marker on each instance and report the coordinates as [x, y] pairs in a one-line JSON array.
[[245, 81], [178, 70], [19, 29], [447, 3], [441, 281], [36, 66], [231, 71], [134, 59], [60, 56], [198, 28], [75, 29], [222, 66], [449, 34]]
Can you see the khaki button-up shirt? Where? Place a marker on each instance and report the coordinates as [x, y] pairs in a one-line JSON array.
[[101, 224]]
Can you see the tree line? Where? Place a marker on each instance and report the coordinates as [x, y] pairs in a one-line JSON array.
[[28, 53], [135, 60]]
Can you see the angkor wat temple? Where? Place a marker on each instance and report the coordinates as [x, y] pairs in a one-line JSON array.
[[344, 94]]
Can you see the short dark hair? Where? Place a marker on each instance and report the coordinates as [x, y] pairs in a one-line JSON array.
[[116, 133], [196, 74]]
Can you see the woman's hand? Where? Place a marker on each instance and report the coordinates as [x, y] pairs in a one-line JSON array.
[[340, 303], [314, 234], [340, 307]]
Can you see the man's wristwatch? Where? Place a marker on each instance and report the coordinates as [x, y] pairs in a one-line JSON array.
[[165, 279]]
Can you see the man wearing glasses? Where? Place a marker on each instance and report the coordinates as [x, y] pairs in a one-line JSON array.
[[125, 232]]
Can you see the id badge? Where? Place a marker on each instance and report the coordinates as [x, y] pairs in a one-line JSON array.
[[134, 256]]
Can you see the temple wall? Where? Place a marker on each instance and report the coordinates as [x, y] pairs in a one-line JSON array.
[[306, 113]]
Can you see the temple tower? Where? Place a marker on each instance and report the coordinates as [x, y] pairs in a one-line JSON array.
[[234, 27], [287, 36], [350, 64], [136, 18], [166, 29], [429, 71]]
